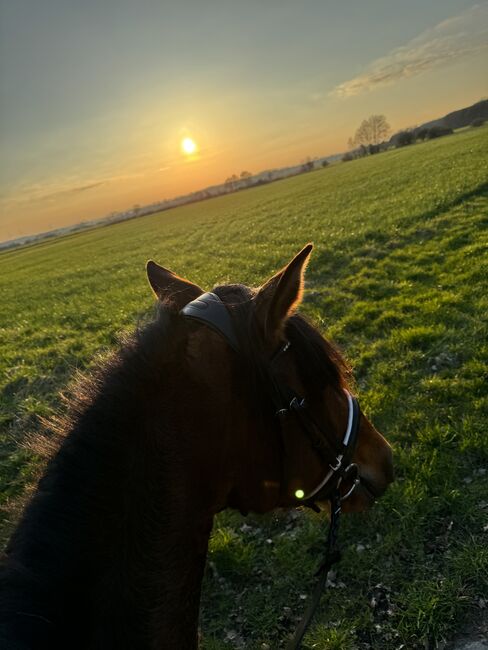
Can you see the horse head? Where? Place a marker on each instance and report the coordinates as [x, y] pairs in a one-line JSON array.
[[279, 394]]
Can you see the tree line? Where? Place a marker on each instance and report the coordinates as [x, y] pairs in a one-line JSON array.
[[372, 136]]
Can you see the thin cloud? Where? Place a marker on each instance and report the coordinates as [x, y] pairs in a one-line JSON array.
[[37, 192], [26, 193], [447, 42], [71, 190]]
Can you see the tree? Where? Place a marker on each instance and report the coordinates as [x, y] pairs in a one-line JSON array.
[[307, 164], [438, 132], [231, 182], [373, 130], [404, 138], [246, 178]]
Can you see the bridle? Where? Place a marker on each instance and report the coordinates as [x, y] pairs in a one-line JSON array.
[[211, 311], [287, 402]]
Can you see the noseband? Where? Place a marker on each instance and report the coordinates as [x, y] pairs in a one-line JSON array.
[[211, 311]]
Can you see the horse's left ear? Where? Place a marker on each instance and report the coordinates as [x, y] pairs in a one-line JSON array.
[[282, 294], [169, 287]]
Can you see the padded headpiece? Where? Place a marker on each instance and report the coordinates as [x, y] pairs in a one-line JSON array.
[[209, 309]]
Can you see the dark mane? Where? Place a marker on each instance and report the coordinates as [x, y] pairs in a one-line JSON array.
[[143, 351], [319, 363], [318, 359], [82, 483]]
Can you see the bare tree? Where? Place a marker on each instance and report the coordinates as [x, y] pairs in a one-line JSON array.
[[307, 164], [374, 130], [231, 181]]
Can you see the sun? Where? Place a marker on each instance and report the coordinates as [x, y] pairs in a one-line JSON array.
[[188, 146]]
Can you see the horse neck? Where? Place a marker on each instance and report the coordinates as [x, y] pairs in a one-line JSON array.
[[119, 525]]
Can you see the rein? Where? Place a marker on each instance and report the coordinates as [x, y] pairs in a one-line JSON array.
[[211, 311]]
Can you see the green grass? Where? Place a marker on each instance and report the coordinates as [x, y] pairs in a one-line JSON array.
[[398, 279]]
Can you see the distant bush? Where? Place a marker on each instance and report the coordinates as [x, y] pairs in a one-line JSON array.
[[404, 138], [307, 166], [479, 121], [373, 148], [438, 132], [324, 163], [365, 150], [422, 134]]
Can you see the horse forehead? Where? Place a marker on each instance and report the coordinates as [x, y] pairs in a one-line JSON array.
[[234, 293]]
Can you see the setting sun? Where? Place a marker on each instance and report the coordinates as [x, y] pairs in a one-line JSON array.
[[188, 146]]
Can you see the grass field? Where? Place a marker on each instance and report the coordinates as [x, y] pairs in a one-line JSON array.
[[399, 280]]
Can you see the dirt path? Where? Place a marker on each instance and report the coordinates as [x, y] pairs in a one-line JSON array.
[[474, 638]]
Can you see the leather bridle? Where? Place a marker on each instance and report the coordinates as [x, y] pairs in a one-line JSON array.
[[211, 311]]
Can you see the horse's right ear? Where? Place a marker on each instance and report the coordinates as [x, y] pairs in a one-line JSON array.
[[169, 287], [280, 295]]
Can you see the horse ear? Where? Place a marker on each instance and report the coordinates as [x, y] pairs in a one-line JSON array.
[[169, 287], [282, 293]]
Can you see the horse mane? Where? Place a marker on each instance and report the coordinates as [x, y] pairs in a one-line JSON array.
[[104, 423], [141, 355], [319, 362]]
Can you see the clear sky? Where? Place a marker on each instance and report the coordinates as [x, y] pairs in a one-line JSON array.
[[96, 95]]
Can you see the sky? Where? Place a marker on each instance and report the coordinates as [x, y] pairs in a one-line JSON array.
[[96, 96]]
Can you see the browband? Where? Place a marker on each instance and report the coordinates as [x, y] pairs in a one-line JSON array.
[[209, 309]]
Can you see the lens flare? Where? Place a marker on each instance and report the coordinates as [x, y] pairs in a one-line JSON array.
[[299, 494]]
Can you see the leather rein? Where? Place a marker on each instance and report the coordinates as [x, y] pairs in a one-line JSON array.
[[211, 311]]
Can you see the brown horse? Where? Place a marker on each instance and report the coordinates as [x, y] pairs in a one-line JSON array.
[[110, 551]]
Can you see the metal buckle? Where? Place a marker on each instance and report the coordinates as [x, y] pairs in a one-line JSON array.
[[339, 458], [349, 469], [297, 405], [357, 481]]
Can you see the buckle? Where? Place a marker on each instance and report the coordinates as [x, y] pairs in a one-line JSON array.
[[349, 469], [357, 481], [296, 405], [339, 458]]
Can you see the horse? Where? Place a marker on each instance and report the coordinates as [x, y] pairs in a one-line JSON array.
[[188, 417]]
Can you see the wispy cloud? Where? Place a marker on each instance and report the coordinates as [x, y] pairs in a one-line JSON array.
[[47, 191], [71, 190], [447, 42]]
